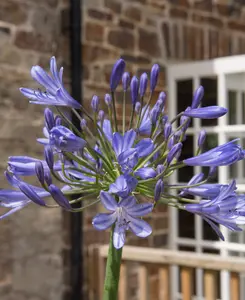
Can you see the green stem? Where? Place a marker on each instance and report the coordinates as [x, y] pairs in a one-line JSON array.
[[112, 271]]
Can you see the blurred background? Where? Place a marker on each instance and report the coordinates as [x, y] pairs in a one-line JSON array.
[[35, 243]]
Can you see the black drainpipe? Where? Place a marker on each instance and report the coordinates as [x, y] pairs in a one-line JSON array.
[[76, 223]]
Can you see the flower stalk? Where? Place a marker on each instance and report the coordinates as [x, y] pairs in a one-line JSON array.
[[112, 273]]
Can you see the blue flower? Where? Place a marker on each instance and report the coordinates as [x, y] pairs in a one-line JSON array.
[[223, 155], [125, 214], [25, 165], [123, 185], [127, 154], [55, 92], [227, 209], [209, 112], [65, 140]]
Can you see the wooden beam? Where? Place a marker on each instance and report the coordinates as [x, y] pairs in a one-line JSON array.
[[143, 282], [234, 286], [180, 258], [122, 291]]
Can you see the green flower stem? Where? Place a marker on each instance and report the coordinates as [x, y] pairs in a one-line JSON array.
[[112, 271]]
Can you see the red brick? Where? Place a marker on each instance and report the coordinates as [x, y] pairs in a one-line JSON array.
[[97, 53], [94, 32], [179, 13], [114, 6], [204, 5], [126, 24], [133, 13], [121, 39], [32, 41], [184, 3], [100, 15], [149, 42]]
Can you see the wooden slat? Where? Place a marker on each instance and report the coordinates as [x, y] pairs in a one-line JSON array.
[[143, 282], [122, 293], [186, 283], [235, 286], [180, 258], [210, 285], [101, 263], [163, 287]]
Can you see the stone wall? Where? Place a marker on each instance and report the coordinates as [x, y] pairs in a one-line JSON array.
[[30, 240]]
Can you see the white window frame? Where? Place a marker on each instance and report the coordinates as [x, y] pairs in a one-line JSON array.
[[221, 68]]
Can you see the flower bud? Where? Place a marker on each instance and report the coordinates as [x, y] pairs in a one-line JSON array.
[[160, 169], [95, 103], [154, 114], [108, 99], [143, 84], [158, 190], [171, 143], [175, 151], [49, 118], [48, 178], [83, 124], [134, 86], [59, 197], [212, 171], [58, 121], [101, 115], [154, 76], [125, 81], [27, 190], [39, 171], [137, 107], [207, 112], [197, 97], [167, 130], [186, 120], [164, 120], [116, 74], [201, 138], [49, 156]]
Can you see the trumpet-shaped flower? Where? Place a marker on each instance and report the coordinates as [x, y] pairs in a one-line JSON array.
[[125, 214], [223, 155], [227, 209]]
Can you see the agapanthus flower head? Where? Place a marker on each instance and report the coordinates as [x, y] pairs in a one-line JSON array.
[[119, 160]]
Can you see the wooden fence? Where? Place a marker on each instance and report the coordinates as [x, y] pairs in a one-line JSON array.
[[162, 260]]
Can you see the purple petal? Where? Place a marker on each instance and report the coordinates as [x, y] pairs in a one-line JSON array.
[[127, 202], [139, 227], [145, 173], [117, 143], [13, 210], [119, 237], [128, 139], [144, 147], [108, 201], [104, 221], [139, 210]]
